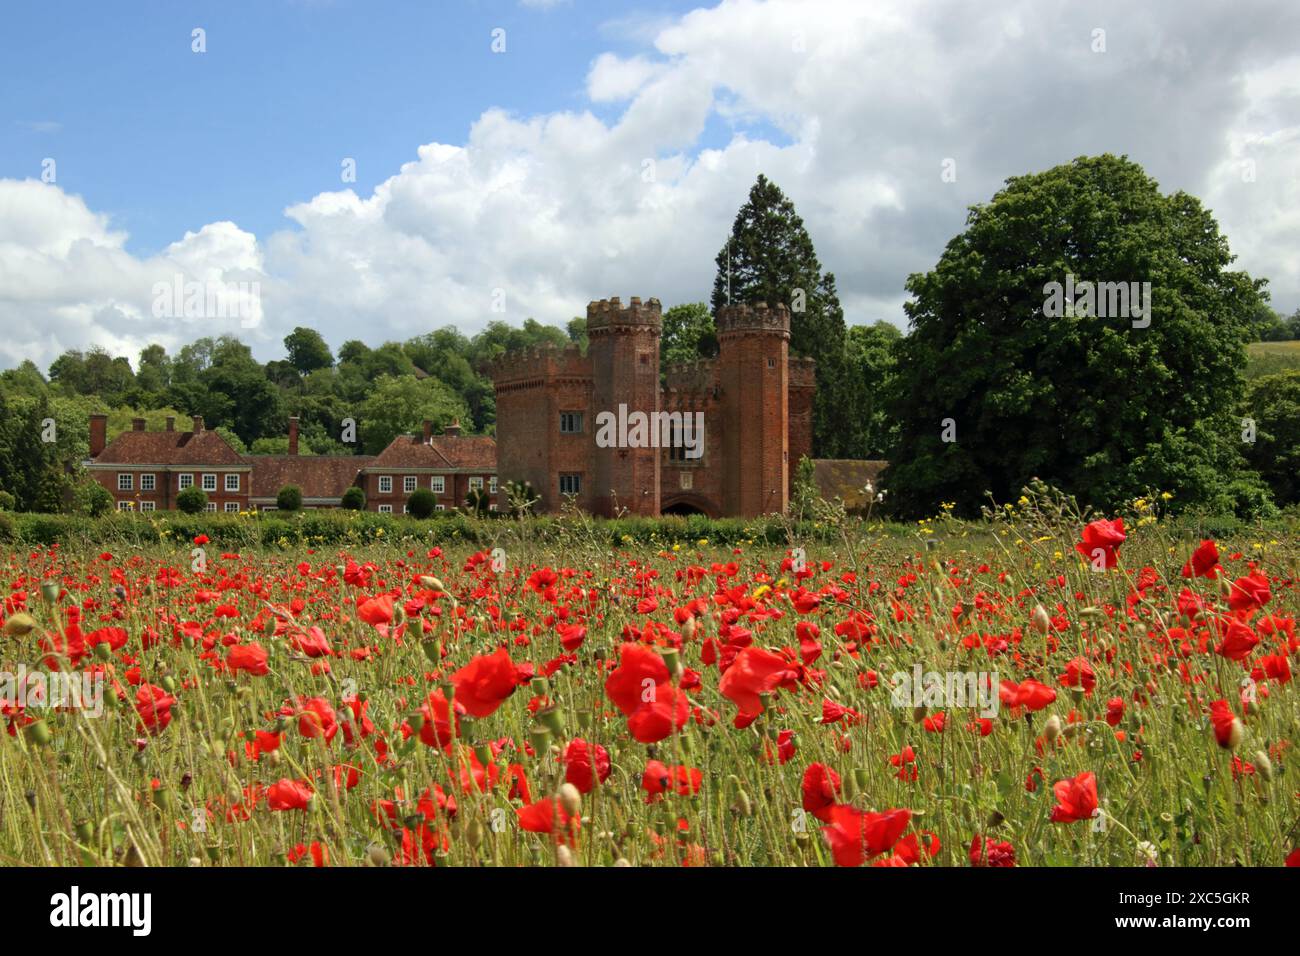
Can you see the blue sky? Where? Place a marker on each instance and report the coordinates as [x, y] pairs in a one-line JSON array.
[[166, 140], [606, 152]]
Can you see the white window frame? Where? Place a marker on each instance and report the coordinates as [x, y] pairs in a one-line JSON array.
[[184, 481], [476, 484], [232, 507], [439, 507], [385, 509], [233, 476], [385, 484], [268, 508], [210, 506], [204, 484], [125, 481], [577, 481], [492, 485], [147, 506], [126, 506], [409, 483], [438, 485], [149, 482]]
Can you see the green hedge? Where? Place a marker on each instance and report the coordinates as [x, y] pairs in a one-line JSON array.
[[352, 528], [357, 527]]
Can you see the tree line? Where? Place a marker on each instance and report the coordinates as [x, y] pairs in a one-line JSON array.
[[985, 390]]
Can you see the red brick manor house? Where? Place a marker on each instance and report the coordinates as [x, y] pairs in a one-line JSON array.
[[754, 401], [562, 427]]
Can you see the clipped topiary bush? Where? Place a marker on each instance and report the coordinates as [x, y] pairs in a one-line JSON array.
[[192, 500], [289, 498]]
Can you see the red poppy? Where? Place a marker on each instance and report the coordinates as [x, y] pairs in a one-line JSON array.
[[1249, 593], [1204, 562], [248, 657], [153, 705], [1101, 540], [1076, 799], [821, 786], [376, 610], [986, 851], [288, 795], [855, 836], [483, 683], [585, 764], [755, 671]]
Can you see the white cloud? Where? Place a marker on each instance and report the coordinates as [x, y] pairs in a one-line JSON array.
[[850, 107]]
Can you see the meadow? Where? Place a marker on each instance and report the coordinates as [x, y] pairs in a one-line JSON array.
[[1094, 691]]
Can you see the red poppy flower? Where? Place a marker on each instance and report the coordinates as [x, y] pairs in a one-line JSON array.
[[585, 764], [1227, 728], [855, 836], [483, 683], [376, 610], [821, 786], [1249, 593], [1101, 540], [1204, 562], [248, 657], [153, 705], [288, 795], [755, 671], [1076, 799], [986, 851]]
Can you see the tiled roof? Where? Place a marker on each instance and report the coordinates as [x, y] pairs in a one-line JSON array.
[[169, 448], [319, 476], [471, 452], [844, 478]]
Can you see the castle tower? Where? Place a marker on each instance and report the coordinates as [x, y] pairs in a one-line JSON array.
[[754, 346], [624, 354]]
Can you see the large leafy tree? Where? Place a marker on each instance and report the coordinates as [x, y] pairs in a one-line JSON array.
[[307, 350], [769, 257], [1093, 404], [1273, 406], [399, 405], [869, 363], [688, 334]]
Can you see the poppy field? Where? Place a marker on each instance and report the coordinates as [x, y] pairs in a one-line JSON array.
[[1026, 692]]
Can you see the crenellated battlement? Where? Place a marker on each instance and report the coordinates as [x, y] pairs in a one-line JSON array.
[[700, 376], [610, 314], [541, 362], [759, 317]]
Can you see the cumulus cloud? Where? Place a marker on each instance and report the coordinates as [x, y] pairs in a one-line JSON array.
[[851, 108]]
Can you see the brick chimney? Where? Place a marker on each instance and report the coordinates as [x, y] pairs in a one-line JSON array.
[[198, 424], [293, 434], [428, 432], [453, 429], [137, 424], [171, 423], [98, 434]]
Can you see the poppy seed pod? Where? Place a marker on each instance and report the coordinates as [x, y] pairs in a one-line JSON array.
[[38, 733], [540, 738], [1052, 729], [20, 625], [570, 799], [564, 856], [1264, 766], [553, 719], [50, 591], [1039, 620]]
